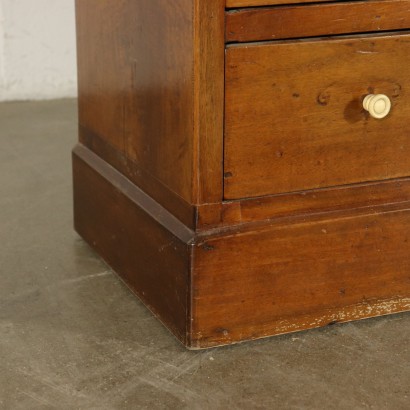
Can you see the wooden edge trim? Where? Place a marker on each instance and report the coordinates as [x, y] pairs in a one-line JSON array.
[[355, 197], [273, 213], [261, 225], [145, 202], [362, 311], [175, 204], [209, 75]]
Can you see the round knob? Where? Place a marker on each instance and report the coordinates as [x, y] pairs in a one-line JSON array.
[[378, 105]]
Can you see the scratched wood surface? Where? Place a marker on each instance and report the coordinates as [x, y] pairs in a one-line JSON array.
[[278, 279], [257, 24], [294, 115]]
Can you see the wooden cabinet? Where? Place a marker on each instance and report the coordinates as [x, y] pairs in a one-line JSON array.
[[228, 169]]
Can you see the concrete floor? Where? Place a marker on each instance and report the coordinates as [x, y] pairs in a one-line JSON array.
[[73, 337]]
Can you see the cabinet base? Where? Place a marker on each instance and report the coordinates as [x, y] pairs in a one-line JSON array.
[[249, 281]]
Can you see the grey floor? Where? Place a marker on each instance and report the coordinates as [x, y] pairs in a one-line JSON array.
[[73, 337]]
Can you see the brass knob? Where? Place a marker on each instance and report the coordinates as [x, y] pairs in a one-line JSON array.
[[378, 105]]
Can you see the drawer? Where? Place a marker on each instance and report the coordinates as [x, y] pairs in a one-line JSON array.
[[253, 3], [296, 21], [294, 116]]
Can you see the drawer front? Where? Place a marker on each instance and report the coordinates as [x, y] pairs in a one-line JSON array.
[[274, 23], [295, 118], [253, 3]]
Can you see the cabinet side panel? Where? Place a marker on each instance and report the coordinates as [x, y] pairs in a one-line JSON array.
[[136, 85]]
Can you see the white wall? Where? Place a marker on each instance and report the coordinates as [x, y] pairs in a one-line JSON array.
[[37, 49]]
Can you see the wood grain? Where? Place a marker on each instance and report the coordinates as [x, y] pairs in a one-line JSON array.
[[257, 24], [253, 3], [209, 100], [136, 75], [143, 243], [294, 116], [284, 278], [151, 85]]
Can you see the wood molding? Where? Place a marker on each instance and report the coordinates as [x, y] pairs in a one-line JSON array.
[[156, 211], [139, 176], [317, 201]]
